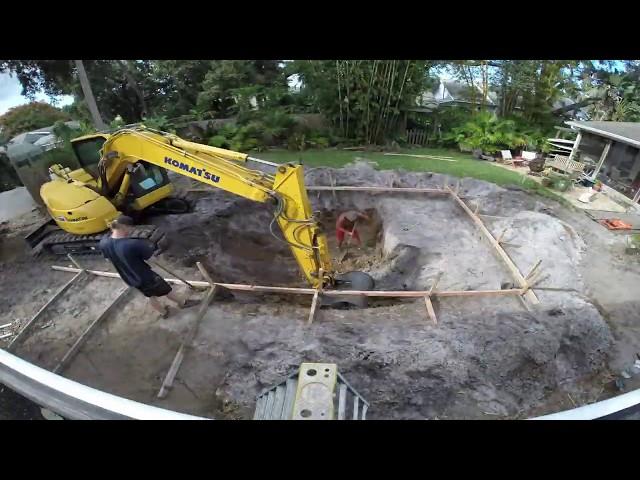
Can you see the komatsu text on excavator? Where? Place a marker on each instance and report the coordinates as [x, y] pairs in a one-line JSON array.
[[126, 172]]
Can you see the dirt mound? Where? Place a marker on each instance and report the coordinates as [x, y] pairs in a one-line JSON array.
[[503, 364]]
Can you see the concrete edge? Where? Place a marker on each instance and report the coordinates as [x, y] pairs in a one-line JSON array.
[[612, 408], [73, 400]]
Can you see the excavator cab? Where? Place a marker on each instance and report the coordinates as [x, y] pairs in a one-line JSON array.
[[133, 188], [82, 202], [87, 151]]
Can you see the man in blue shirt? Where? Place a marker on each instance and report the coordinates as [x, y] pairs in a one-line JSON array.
[[128, 256]]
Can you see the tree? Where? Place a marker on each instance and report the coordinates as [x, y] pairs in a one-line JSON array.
[[29, 117], [605, 91], [236, 86], [53, 77], [475, 73], [120, 87], [362, 98], [178, 84]]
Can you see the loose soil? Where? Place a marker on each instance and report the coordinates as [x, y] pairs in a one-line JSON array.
[[486, 357]]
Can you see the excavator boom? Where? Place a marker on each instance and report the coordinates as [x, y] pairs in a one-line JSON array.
[[223, 169]]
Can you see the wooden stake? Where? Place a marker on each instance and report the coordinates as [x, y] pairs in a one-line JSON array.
[[188, 339], [314, 304], [533, 269], [333, 191], [556, 289], [436, 157], [540, 278], [376, 189], [321, 277], [71, 353], [311, 291], [73, 260], [164, 267], [524, 303], [515, 272], [430, 310], [327, 188], [205, 274], [29, 325], [435, 283]]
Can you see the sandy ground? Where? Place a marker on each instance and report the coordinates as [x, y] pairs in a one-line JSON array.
[[603, 201], [14, 203], [486, 358], [16, 407]]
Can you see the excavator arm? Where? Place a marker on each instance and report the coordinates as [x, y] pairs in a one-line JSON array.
[[223, 169]]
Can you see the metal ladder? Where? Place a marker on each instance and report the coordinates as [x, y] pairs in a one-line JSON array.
[[291, 398]]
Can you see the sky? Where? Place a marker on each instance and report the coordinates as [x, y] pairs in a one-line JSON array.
[[10, 94], [446, 73]]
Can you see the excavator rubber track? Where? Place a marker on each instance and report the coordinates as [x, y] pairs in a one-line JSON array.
[[61, 243]]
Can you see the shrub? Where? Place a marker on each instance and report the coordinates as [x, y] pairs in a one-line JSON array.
[[485, 131], [159, 123], [219, 141]]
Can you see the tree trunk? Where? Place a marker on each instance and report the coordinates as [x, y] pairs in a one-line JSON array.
[[485, 84], [131, 81], [88, 97], [342, 132]]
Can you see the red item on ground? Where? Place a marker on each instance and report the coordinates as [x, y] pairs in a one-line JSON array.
[[615, 224]]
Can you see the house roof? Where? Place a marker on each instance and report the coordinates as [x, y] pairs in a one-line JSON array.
[[464, 93], [580, 113], [624, 132]]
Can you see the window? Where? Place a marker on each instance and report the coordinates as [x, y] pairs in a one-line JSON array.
[[88, 153]]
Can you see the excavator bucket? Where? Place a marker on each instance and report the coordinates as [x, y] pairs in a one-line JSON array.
[[350, 281]]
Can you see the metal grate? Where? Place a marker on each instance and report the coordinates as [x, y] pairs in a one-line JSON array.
[[277, 402]]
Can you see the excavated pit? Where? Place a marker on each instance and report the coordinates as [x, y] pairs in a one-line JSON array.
[[486, 358]]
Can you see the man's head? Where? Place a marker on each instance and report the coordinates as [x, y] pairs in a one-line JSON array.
[[121, 226]]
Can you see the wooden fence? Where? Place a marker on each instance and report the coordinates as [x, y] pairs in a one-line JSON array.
[[416, 137]]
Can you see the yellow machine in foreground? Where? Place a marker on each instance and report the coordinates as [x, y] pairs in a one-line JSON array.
[[126, 172]]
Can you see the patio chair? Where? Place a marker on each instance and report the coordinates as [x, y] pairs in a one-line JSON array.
[[506, 157]]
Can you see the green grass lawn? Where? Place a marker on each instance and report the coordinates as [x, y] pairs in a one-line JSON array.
[[463, 166]]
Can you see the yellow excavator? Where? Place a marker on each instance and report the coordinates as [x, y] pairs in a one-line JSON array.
[[126, 172]]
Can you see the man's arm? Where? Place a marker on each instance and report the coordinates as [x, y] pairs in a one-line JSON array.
[[145, 248], [102, 246]]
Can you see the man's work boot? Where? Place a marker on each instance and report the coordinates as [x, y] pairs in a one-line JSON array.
[[186, 303]]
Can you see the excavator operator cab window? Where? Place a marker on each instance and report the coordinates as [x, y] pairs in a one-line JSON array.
[[147, 178], [88, 154]]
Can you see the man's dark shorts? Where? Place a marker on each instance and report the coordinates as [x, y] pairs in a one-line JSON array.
[[157, 288]]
